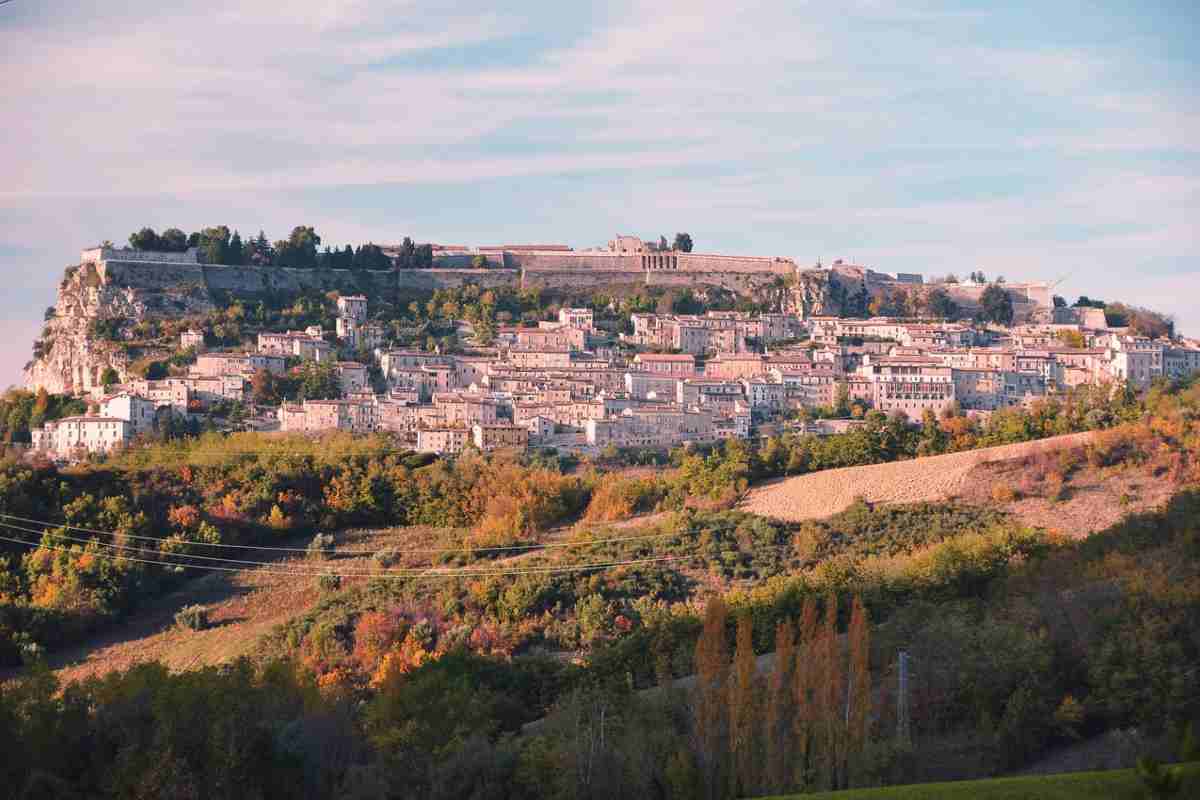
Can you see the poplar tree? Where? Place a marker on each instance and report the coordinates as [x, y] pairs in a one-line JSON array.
[[805, 679], [859, 691], [780, 715], [744, 719], [712, 672], [829, 710]]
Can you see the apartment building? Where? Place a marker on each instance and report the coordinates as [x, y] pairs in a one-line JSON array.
[[446, 441], [73, 438], [912, 384], [683, 364], [495, 437]]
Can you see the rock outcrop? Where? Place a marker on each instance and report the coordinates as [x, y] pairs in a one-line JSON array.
[[71, 357]]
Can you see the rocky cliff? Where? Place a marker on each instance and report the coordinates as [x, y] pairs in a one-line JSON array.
[[72, 355], [827, 292]]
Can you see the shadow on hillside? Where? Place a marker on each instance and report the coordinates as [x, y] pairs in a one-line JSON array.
[[155, 616]]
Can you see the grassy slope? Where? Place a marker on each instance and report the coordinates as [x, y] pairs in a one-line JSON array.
[[1118, 784], [247, 605]]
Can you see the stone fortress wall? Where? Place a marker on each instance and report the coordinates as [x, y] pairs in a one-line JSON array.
[[627, 261]]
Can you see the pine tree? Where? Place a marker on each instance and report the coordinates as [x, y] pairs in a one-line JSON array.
[[712, 672], [236, 254], [744, 719], [780, 713]]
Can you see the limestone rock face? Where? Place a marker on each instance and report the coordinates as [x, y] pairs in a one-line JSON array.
[[68, 358], [828, 292]]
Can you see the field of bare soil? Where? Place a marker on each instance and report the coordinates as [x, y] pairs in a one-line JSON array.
[[1092, 498], [821, 494], [242, 607]]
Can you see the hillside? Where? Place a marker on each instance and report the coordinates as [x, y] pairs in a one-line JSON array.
[[1113, 785], [929, 479]]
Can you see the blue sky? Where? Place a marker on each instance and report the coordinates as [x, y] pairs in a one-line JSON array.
[[1039, 140]]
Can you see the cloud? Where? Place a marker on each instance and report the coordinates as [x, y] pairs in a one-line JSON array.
[[915, 137]]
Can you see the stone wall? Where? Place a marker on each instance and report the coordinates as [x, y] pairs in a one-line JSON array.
[[430, 279]]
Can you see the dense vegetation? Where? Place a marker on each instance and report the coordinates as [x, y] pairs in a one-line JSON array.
[[21, 410], [172, 500], [1058, 642], [1020, 641]]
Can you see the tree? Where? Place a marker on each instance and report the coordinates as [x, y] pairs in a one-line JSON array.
[[806, 678], [109, 377], [683, 242], [744, 722], [829, 694], [662, 244], [259, 251], [939, 304], [145, 239], [1071, 338], [300, 248], [1059, 301], [858, 701], [173, 240], [712, 670], [408, 255], [371, 256], [214, 245], [318, 381], [236, 253], [263, 387], [997, 305], [781, 710]]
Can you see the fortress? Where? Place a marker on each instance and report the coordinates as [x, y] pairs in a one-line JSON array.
[[133, 285], [627, 261]]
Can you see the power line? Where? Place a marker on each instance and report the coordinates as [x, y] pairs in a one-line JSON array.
[[245, 563], [431, 573], [272, 548]]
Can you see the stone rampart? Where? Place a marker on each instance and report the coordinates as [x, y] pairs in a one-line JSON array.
[[582, 261], [430, 279], [702, 262], [572, 279], [151, 275]]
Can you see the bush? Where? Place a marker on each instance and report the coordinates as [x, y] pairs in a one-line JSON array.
[[194, 617], [321, 546], [1056, 486], [387, 557], [1003, 493], [329, 582]]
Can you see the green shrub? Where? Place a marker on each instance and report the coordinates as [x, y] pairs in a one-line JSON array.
[[321, 546], [329, 582], [194, 617], [387, 557]]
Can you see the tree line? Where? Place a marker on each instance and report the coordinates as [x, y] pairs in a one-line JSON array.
[[301, 249]]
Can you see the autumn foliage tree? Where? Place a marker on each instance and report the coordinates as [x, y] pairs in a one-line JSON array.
[[711, 709], [745, 721]]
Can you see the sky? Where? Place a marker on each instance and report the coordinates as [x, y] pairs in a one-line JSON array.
[[1038, 141]]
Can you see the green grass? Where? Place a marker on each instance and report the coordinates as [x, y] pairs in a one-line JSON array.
[[1120, 784]]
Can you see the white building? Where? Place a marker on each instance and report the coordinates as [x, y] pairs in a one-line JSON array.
[[576, 318], [74, 437], [139, 412], [192, 338], [353, 307]]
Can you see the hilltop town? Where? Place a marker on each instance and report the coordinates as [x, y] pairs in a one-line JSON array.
[[633, 345]]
